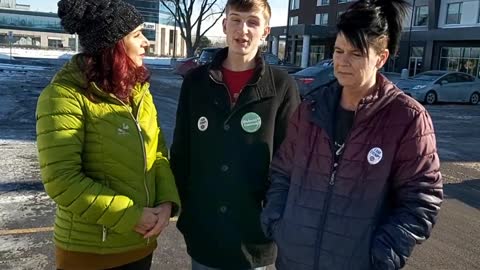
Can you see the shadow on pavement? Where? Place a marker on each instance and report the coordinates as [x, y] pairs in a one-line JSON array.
[[467, 192]]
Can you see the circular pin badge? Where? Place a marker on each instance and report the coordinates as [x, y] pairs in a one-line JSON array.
[[202, 123], [251, 122], [375, 155]]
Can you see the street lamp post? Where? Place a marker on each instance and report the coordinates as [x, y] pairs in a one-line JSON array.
[[286, 55], [412, 17], [175, 31]]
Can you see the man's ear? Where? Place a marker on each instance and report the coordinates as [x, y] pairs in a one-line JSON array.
[[266, 32], [224, 25]]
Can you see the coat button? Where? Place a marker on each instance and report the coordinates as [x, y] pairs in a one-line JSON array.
[[224, 168], [223, 209], [226, 127]]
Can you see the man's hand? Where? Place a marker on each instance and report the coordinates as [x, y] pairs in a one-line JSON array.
[[162, 212], [147, 221]]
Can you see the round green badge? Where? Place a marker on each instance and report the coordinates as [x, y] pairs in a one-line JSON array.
[[251, 122]]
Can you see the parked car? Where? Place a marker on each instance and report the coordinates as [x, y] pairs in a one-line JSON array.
[[313, 77], [207, 54], [274, 61], [321, 73], [182, 66], [442, 86], [394, 77]]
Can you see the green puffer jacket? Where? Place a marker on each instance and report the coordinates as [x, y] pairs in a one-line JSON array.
[[101, 162]]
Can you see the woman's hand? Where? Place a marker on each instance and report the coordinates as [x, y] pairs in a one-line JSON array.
[[147, 221], [163, 213]]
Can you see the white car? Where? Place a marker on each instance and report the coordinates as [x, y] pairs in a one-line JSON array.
[[442, 86]]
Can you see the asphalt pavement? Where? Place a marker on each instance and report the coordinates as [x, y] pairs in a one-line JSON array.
[[26, 212]]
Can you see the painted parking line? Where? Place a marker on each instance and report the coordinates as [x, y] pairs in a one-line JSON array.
[[39, 230], [26, 231]]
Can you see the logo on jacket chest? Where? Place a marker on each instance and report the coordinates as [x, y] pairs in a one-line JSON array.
[[123, 130], [251, 122], [374, 156]]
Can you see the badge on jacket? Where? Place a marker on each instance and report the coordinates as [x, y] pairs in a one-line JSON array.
[[251, 122], [202, 123], [375, 156]]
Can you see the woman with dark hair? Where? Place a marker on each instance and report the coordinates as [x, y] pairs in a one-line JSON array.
[[102, 156], [356, 183]]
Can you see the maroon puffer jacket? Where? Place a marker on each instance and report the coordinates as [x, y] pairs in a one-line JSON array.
[[369, 210]]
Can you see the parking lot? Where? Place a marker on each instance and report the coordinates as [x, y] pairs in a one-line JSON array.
[[26, 213]]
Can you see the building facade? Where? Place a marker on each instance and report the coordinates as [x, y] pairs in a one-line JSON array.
[[438, 34], [31, 29]]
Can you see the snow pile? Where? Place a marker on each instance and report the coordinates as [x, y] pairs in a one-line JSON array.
[[19, 53]]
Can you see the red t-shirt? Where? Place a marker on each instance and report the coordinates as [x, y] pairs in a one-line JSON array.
[[236, 81]]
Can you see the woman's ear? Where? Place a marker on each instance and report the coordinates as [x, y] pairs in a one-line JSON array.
[[383, 57]]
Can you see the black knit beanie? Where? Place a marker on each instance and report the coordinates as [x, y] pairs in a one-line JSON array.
[[99, 24]]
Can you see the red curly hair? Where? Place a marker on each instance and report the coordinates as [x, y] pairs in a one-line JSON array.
[[114, 72]]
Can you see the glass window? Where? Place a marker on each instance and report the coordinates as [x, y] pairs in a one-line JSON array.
[[295, 4], [454, 13], [55, 43], [475, 53], [421, 16], [464, 78], [417, 52], [321, 19], [294, 20], [271, 59], [451, 78], [323, 2], [317, 53], [30, 22]]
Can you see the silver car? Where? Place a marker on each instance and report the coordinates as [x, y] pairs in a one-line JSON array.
[[442, 86]]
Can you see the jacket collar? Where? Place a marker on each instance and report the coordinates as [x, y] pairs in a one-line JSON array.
[[259, 87], [325, 100], [72, 74]]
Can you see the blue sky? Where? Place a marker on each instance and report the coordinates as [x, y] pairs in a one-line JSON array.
[[279, 9]]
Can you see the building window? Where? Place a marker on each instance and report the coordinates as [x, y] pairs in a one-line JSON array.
[[478, 14], [461, 59], [340, 14], [295, 4], [294, 20], [345, 1], [317, 53], [55, 43], [321, 19], [454, 13], [415, 64], [421, 16], [323, 3]]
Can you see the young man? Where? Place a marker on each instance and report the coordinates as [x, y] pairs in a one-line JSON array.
[[231, 118]]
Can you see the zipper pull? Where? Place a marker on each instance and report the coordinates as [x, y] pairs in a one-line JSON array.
[[332, 177], [138, 125], [104, 234]]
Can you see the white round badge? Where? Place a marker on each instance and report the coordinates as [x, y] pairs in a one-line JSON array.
[[202, 123], [375, 155]]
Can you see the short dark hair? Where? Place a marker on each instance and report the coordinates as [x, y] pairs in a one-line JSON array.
[[376, 23], [249, 5]]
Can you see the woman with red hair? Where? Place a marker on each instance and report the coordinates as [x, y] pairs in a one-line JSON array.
[[101, 151]]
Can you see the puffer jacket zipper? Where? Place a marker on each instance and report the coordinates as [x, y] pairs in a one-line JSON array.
[[142, 142], [331, 184]]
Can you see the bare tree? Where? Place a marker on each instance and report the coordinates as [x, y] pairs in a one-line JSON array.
[[195, 18]]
